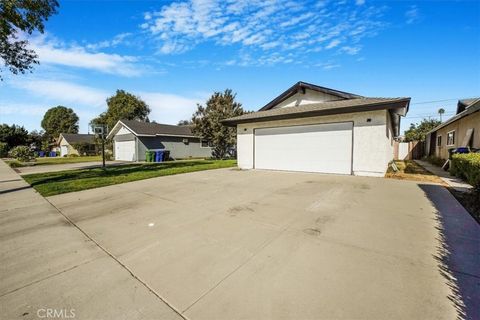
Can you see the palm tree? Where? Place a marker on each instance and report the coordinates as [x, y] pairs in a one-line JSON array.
[[440, 112]]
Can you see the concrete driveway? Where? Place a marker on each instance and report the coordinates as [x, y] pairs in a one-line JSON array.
[[230, 244]]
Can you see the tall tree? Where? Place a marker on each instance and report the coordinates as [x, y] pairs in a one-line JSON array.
[[417, 132], [123, 105], [184, 123], [59, 120], [13, 135], [24, 16], [207, 121]]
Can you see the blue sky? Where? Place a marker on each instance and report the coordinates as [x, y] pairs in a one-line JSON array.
[[174, 54]]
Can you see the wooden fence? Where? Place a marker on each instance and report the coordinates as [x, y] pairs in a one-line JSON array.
[[408, 150]]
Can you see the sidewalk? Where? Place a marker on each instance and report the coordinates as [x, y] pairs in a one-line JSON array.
[[454, 182], [49, 264]]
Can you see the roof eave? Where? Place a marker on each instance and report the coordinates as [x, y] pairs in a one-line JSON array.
[[307, 114]]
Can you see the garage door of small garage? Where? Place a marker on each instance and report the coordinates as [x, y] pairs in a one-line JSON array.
[[125, 150], [323, 148]]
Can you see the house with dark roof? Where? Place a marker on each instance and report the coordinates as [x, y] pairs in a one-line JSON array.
[[132, 138], [317, 129], [462, 130], [67, 143]]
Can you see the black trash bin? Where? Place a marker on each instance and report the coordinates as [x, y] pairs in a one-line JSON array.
[[166, 155]]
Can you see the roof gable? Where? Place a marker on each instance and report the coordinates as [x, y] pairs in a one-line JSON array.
[[303, 88], [466, 103], [72, 138]]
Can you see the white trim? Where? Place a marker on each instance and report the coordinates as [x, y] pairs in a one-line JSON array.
[[145, 135], [446, 142]]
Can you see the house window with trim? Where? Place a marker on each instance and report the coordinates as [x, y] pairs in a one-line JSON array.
[[439, 141], [205, 143], [451, 138]]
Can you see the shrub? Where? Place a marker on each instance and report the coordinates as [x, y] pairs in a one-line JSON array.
[[467, 166], [22, 153], [3, 149]]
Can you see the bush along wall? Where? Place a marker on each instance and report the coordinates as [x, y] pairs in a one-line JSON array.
[[467, 167]]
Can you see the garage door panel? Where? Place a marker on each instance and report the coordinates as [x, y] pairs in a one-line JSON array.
[[313, 148], [125, 150]]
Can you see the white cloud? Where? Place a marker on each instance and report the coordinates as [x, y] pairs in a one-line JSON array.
[[264, 27], [64, 92], [117, 40], [350, 50], [412, 14], [170, 108], [56, 53], [333, 44], [23, 109]]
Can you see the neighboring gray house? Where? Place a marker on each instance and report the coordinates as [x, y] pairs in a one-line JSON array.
[[67, 141], [131, 139]]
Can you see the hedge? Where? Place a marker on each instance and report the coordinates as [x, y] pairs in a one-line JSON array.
[[467, 166]]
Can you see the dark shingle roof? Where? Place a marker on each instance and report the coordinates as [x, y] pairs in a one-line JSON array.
[[151, 128], [72, 138], [323, 108], [465, 104], [474, 106]]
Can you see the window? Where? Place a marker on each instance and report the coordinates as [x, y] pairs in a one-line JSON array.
[[205, 143], [439, 141], [451, 138]]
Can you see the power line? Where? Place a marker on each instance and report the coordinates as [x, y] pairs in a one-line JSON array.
[[444, 100]]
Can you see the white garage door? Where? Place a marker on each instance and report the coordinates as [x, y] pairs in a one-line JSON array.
[[313, 148], [125, 150], [63, 151]]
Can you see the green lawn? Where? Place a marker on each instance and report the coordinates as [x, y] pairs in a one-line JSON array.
[[54, 160], [49, 184]]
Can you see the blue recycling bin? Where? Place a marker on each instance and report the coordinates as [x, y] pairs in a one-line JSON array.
[[41, 154], [53, 154], [159, 156]]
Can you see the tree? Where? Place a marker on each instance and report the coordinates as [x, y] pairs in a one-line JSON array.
[[207, 122], [24, 16], [59, 120], [185, 122], [417, 132], [441, 111], [122, 105], [35, 139], [13, 135]]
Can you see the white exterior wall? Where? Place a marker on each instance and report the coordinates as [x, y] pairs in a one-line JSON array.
[[309, 97], [123, 130], [372, 149]]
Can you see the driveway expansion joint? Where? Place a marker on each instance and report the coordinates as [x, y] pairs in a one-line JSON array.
[[119, 262]]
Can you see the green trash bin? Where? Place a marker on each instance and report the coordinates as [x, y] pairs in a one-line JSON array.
[[149, 156]]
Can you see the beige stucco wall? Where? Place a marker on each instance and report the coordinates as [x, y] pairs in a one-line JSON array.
[[71, 150], [461, 126], [372, 149]]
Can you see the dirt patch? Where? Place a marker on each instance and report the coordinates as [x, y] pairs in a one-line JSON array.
[[410, 170]]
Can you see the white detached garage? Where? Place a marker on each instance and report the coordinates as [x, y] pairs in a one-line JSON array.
[[315, 129]]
